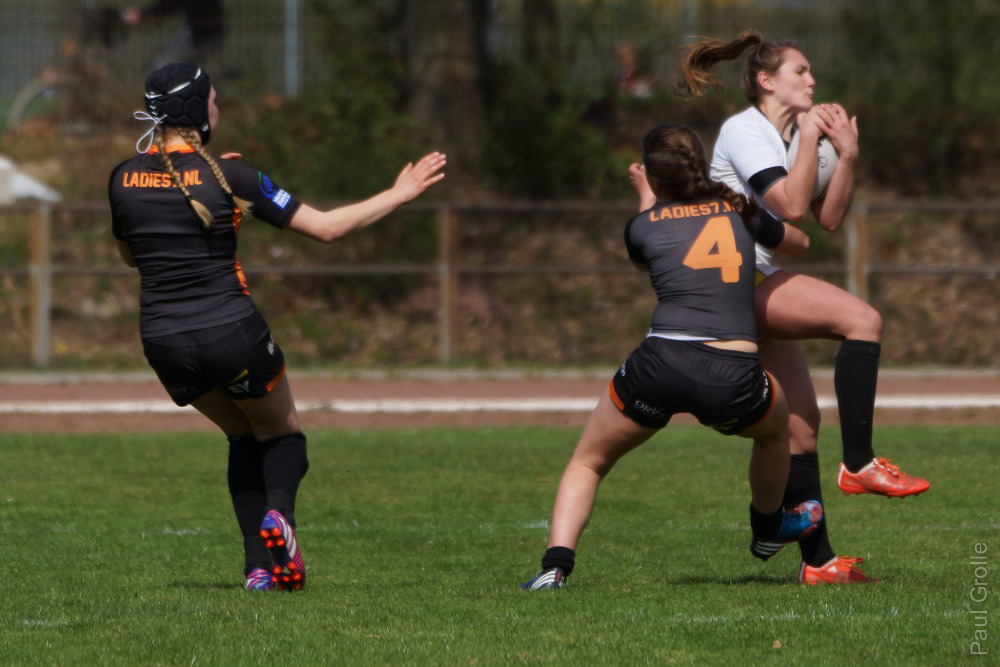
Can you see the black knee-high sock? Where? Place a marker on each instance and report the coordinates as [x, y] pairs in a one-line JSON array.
[[285, 464], [246, 487], [804, 484], [855, 375]]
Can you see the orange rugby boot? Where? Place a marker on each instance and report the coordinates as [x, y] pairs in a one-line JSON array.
[[881, 478], [840, 570]]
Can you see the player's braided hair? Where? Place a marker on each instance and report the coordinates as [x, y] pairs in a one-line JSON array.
[[694, 75], [677, 169], [193, 138]]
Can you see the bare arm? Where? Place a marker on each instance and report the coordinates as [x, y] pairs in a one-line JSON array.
[[328, 226], [831, 210], [791, 197], [795, 242], [637, 174]]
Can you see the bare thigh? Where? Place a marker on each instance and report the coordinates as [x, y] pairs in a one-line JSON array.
[[267, 417], [792, 306], [784, 360], [607, 437]]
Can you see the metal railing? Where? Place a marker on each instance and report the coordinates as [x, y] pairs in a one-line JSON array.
[[448, 267]]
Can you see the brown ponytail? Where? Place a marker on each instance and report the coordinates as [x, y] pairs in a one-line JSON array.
[[695, 75], [677, 169]]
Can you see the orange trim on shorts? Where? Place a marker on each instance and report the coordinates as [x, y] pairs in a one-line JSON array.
[[774, 398], [614, 397], [274, 383]]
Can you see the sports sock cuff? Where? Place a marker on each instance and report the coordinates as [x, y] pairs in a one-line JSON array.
[[861, 347], [562, 557], [810, 460], [765, 525]]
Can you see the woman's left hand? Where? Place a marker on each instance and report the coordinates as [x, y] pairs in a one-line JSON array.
[[841, 128], [415, 178]]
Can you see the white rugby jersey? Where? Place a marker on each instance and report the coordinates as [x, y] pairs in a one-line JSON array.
[[747, 145]]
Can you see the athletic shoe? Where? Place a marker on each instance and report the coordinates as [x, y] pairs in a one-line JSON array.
[[838, 571], [796, 523], [882, 478], [259, 579], [289, 572], [546, 579]]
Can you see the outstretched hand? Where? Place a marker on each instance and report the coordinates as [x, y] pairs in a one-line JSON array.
[[415, 178], [637, 174]]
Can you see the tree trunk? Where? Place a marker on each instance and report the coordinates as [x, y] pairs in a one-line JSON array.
[[444, 81]]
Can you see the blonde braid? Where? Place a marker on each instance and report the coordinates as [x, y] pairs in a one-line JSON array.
[[192, 137], [202, 212]]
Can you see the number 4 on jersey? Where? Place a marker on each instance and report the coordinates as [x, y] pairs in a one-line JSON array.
[[717, 235]]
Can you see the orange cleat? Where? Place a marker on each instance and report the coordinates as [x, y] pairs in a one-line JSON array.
[[840, 570], [881, 478]]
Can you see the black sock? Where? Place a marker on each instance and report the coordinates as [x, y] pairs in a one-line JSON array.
[[562, 557], [246, 488], [285, 464], [764, 525], [855, 375], [804, 484]]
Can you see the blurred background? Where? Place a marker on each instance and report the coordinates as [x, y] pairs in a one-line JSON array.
[[517, 258]]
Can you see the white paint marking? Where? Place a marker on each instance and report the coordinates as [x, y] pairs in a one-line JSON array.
[[457, 405]]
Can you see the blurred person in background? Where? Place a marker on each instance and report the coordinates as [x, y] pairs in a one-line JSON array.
[[201, 34], [176, 215]]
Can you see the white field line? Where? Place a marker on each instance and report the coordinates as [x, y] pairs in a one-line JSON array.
[[452, 405]]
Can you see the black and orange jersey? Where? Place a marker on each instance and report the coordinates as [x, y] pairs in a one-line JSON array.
[[700, 259], [190, 276]]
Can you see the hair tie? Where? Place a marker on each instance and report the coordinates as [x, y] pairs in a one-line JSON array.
[[142, 115]]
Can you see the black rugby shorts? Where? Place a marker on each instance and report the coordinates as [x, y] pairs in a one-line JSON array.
[[724, 389], [241, 357]]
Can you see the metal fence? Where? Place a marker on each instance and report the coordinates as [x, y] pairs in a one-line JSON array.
[[277, 45]]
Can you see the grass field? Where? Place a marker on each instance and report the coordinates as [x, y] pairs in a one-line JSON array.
[[122, 550]]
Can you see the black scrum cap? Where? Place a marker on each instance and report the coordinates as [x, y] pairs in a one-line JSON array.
[[177, 94]]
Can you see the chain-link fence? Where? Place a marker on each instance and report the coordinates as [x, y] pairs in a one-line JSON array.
[[272, 44]]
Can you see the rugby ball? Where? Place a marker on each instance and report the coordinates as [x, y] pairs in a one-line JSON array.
[[826, 161]]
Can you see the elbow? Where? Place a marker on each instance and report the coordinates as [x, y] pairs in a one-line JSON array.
[[797, 215]]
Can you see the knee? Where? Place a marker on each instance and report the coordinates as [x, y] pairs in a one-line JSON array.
[[866, 325]]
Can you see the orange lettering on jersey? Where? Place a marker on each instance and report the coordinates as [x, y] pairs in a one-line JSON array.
[[192, 178]]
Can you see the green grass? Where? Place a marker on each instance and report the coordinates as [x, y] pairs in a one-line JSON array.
[[123, 550]]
